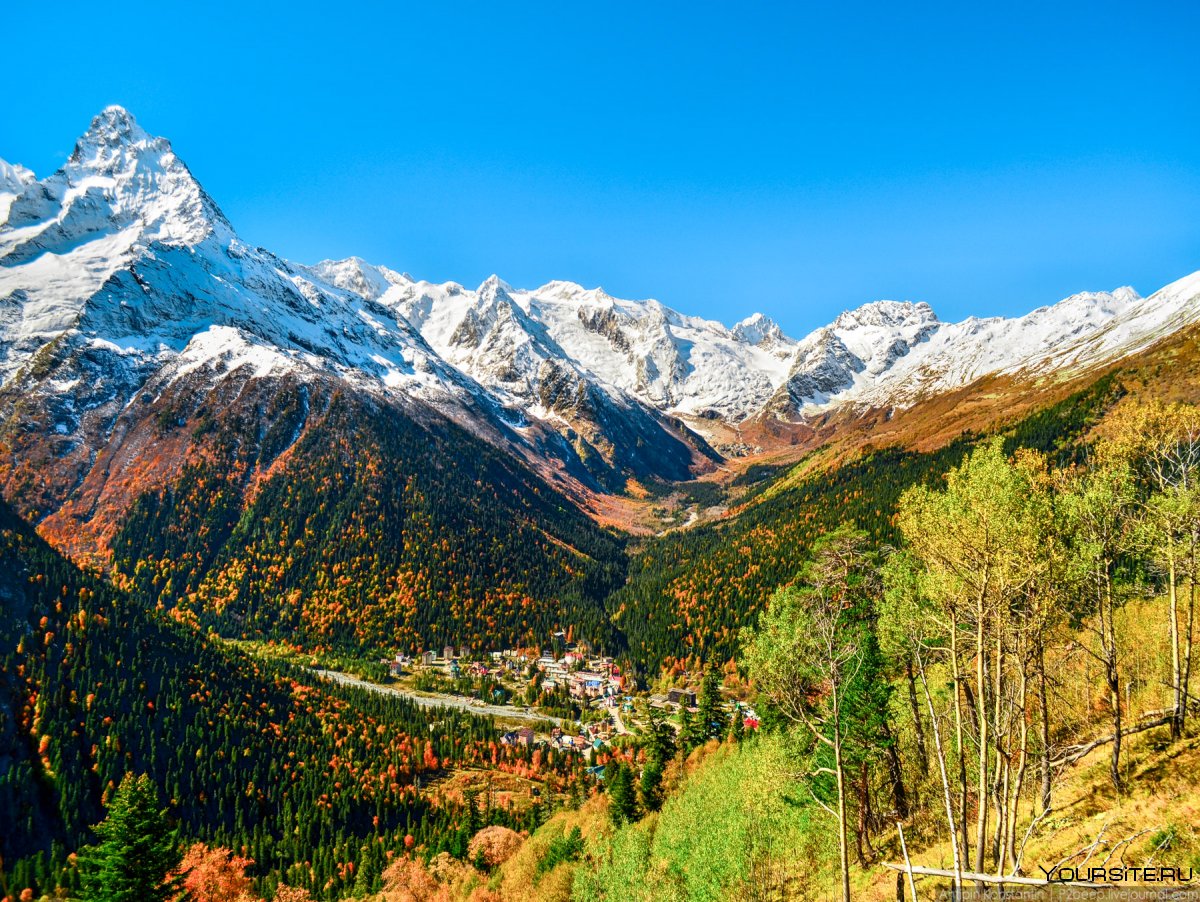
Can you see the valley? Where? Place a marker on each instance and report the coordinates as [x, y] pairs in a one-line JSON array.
[[390, 586]]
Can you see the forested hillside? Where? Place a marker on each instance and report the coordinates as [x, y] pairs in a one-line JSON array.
[[326, 524], [374, 530], [689, 593], [1002, 694], [315, 783], [849, 598]]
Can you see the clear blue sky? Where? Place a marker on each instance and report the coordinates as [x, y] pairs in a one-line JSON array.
[[724, 157]]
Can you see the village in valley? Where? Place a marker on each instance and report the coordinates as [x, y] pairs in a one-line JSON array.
[[570, 698]]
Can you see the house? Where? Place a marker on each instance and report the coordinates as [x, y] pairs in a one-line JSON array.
[[448, 653], [428, 658], [525, 736], [685, 697], [586, 684]]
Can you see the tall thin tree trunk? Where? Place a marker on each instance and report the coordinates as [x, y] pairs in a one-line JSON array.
[[960, 744], [1010, 853], [895, 772], [981, 777], [1108, 641], [1185, 688], [1177, 686], [1000, 742], [1044, 717], [918, 725], [947, 795], [862, 839], [843, 850]]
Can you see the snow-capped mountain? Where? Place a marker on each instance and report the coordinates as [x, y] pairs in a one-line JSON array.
[[1079, 332], [883, 354], [120, 278], [861, 344], [13, 180], [676, 364], [122, 252]]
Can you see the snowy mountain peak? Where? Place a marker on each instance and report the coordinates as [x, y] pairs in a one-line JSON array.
[[855, 349], [122, 258], [111, 130], [14, 178], [887, 314], [119, 182], [494, 285], [357, 275], [758, 330], [1091, 302]]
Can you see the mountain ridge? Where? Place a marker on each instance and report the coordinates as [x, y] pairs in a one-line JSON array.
[[676, 364], [123, 289]]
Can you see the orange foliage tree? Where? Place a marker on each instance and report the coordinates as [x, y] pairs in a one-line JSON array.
[[215, 875]]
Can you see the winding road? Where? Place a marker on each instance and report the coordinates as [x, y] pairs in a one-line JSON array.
[[434, 700]]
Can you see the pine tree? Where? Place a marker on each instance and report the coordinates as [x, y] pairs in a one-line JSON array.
[[660, 747], [622, 796], [691, 731], [473, 822], [651, 785], [738, 729], [711, 716], [660, 740], [137, 850]]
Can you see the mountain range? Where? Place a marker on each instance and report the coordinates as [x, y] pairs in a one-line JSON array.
[[142, 340]]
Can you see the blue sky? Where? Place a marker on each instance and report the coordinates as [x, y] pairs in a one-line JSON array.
[[724, 158]]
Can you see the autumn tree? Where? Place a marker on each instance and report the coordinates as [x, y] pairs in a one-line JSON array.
[[1099, 504], [1162, 443], [215, 875], [980, 544], [910, 629]]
